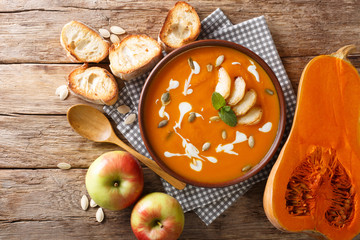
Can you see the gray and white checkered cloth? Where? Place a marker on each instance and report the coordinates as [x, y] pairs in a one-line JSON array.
[[209, 203]]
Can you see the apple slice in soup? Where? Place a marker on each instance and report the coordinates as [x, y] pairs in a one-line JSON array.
[[224, 83], [246, 103], [252, 117], [237, 92]]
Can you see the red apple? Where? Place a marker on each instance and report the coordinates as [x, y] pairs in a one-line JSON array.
[[157, 216], [115, 180]]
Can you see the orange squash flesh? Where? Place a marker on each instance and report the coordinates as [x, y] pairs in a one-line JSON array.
[[315, 182]]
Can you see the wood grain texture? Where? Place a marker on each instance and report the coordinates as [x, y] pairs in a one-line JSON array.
[[299, 28], [59, 216], [39, 201]]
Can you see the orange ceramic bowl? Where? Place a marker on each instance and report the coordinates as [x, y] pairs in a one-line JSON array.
[[179, 145]]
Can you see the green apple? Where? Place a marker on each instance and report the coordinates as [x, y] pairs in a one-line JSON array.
[[157, 216], [115, 180]]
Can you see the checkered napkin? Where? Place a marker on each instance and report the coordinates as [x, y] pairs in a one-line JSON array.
[[209, 203]]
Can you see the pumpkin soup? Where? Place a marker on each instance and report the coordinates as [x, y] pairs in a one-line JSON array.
[[211, 114]]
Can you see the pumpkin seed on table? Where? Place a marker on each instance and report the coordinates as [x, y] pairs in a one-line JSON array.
[[64, 166], [84, 202], [130, 119], [209, 67], [224, 134], [269, 91], [214, 118], [191, 63], [163, 123], [100, 215], [114, 38], [104, 33], [165, 98], [206, 146], [219, 60], [117, 30], [246, 168], [93, 203], [251, 141], [191, 117], [123, 109]]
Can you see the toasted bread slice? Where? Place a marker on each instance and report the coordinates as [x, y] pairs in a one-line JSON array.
[[82, 43], [223, 85], [252, 117], [246, 103], [94, 84], [237, 92], [182, 25], [133, 56]]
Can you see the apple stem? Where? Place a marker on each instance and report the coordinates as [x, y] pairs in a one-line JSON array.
[[160, 224]]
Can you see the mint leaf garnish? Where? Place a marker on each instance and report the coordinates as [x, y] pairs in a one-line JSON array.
[[217, 100], [227, 108], [228, 117]]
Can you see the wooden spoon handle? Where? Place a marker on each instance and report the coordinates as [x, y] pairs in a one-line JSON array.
[[149, 163]]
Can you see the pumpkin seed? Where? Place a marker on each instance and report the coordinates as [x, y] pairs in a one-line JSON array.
[[123, 109], [209, 67], [192, 117], [64, 166], [165, 98], [246, 168], [62, 92], [191, 63], [214, 118], [99, 215], [163, 123], [219, 60], [84, 202], [130, 119], [114, 38], [269, 91], [206, 146], [251, 142], [224, 134], [117, 30], [92, 203], [104, 33]]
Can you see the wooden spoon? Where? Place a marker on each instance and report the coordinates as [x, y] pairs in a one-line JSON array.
[[93, 125]]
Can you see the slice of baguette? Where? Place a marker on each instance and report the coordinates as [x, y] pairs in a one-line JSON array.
[[82, 43], [94, 84], [182, 25], [133, 56]]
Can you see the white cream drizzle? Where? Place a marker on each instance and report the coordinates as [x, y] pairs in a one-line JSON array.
[[190, 150], [227, 148], [156, 101], [236, 63], [252, 70], [162, 112], [187, 84], [173, 84], [266, 127]]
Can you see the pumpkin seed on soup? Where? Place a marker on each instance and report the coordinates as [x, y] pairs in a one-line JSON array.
[[224, 134], [246, 168], [269, 91], [192, 117], [214, 118], [219, 60], [165, 98], [191, 63], [251, 142], [163, 123], [206, 146], [209, 67]]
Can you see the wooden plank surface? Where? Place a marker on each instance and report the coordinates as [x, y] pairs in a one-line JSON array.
[[39, 201]]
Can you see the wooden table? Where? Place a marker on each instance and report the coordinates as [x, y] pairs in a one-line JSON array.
[[40, 201]]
